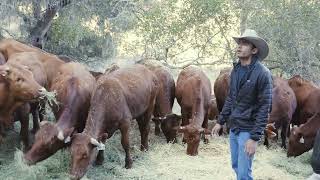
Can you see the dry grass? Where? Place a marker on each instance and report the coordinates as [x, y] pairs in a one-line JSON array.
[[162, 161]]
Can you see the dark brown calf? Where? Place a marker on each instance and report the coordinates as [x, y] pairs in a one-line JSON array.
[[120, 96], [74, 86]]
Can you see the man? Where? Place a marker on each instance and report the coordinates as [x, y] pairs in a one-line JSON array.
[[248, 102], [315, 160]]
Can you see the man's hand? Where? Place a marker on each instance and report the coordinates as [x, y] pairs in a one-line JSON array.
[[251, 147], [216, 129]]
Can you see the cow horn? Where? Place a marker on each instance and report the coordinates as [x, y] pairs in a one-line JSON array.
[[301, 140], [60, 135], [67, 140], [99, 146]]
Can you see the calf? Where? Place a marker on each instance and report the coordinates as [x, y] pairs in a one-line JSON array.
[[74, 86], [302, 138], [120, 96], [284, 104]]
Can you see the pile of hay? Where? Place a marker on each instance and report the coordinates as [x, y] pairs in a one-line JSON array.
[[162, 161]]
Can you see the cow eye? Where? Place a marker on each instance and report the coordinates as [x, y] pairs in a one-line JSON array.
[[84, 156], [20, 79]]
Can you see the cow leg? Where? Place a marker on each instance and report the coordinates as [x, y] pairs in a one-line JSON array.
[[283, 135], [35, 117], [125, 143], [157, 127], [144, 127], [100, 158], [23, 115], [205, 126], [185, 120], [266, 141]]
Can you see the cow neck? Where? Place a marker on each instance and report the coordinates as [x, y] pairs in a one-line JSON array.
[[71, 105], [93, 127], [309, 129], [198, 116]]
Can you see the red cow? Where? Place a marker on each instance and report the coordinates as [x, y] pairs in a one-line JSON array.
[[308, 99], [193, 93], [74, 86], [284, 104], [120, 96], [17, 86], [302, 138]]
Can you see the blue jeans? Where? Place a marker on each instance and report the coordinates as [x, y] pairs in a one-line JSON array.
[[241, 162]]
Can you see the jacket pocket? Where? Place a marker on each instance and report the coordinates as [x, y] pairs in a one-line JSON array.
[[245, 113]]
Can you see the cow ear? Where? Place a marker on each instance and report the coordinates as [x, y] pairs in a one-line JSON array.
[[103, 137], [4, 70]]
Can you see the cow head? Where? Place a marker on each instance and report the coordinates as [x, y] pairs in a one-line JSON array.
[[84, 149], [270, 131], [297, 143], [20, 81], [192, 135], [169, 126], [48, 140]]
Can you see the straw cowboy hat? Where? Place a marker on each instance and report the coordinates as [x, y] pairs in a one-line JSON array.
[[252, 36]]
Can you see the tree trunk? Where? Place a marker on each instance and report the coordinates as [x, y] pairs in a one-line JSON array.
[[38, 33]]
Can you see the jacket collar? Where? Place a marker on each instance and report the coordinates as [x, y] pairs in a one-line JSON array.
[[237, 65]]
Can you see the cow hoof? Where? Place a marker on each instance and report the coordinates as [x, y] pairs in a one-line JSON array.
[[206, 141], [157, 133], [128, 164], [98, 162]]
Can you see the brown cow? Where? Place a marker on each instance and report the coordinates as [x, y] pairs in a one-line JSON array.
[[120, 96], [74, 86], [30, 60], [17, 86], [193, 93], [164, 102], [302, 138], [308, 99], [221, 87], [284, 104]]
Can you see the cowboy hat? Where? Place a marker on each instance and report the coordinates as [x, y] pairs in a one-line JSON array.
[[252, 36]]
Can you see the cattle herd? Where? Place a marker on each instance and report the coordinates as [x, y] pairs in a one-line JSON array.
[[92, 106]]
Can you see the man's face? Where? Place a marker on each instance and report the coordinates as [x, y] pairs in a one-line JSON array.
[[245, 49]]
